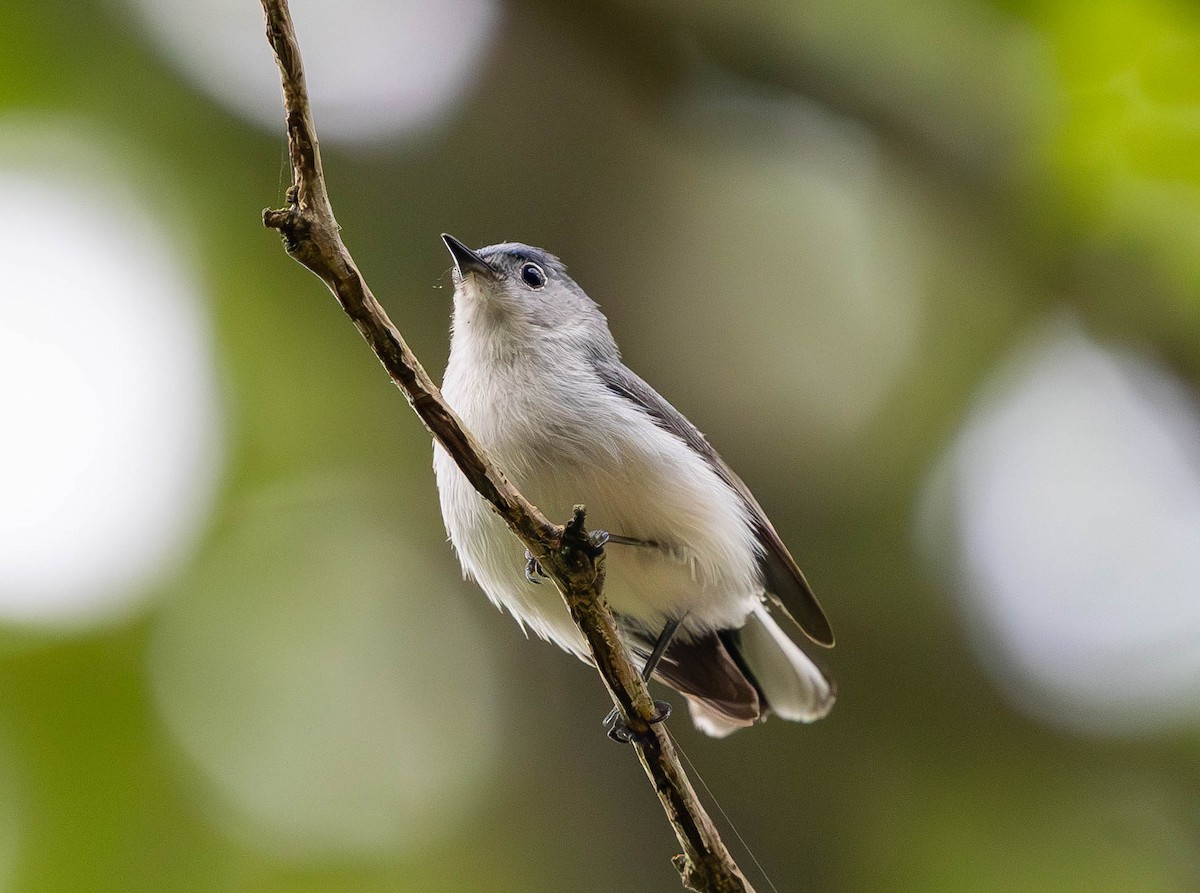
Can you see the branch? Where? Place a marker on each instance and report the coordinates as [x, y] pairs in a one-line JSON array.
[[311, 236]]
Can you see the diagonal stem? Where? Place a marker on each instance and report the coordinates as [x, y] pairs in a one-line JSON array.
[[311, 236]]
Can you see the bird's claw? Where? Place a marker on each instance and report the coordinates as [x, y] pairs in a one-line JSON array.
[[619, 732], [533, 570], [598, 539]]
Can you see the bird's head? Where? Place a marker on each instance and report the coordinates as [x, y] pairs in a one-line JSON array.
[[520, 293]]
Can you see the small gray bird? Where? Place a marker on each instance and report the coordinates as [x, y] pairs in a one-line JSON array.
[[696, 575]]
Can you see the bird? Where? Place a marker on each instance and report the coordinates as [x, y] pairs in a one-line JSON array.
[[706, 595]]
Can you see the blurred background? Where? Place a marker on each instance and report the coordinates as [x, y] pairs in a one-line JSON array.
[[926, 272]]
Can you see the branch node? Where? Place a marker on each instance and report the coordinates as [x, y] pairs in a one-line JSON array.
[[290, 223], [583, 552], [576, 538], [575, 525]]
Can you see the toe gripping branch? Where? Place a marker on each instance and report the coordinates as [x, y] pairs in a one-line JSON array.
[[592, 544], [620, 732], [533, 570], [617, 728]]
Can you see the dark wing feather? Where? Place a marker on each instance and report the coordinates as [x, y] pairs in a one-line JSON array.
[[704, 669], [785, 582]]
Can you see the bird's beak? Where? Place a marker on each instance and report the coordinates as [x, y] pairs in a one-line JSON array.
[[465, 260]]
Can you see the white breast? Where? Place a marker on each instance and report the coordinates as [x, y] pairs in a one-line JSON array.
[[562, 445]]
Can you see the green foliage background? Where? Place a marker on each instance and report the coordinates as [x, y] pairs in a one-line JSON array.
[[1036, 155]]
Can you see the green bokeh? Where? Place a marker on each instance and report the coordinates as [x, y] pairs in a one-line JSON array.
[[1008, 159]]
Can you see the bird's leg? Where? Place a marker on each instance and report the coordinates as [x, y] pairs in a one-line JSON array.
[[617, 729], [597, 540], [617, 539], [660, 648]]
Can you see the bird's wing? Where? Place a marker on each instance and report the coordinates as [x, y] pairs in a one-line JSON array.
[[784, 580]]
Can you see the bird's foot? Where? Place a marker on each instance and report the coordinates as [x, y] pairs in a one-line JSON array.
[[533, 570], [621, 733]]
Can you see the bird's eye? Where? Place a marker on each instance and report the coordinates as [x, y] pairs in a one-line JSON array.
[[533, 275]]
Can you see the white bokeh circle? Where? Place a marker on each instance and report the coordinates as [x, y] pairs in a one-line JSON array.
[[798, 225], [1073, 496], [108, 459], [334, 692], [376, 68]]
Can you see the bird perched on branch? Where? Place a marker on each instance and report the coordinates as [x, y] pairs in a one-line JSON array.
[[697, 577]]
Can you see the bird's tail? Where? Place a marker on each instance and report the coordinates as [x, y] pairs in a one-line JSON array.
[[789, 683], [792, 684]]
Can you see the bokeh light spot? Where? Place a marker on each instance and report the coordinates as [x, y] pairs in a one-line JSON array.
[[798, 230], [376, 69], [331, 690], [1074, 494], [108, 462]]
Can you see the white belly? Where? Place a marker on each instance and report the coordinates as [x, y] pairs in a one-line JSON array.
[[638, 481]]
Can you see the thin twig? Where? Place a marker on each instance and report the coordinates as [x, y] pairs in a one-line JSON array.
[[311, 236]]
